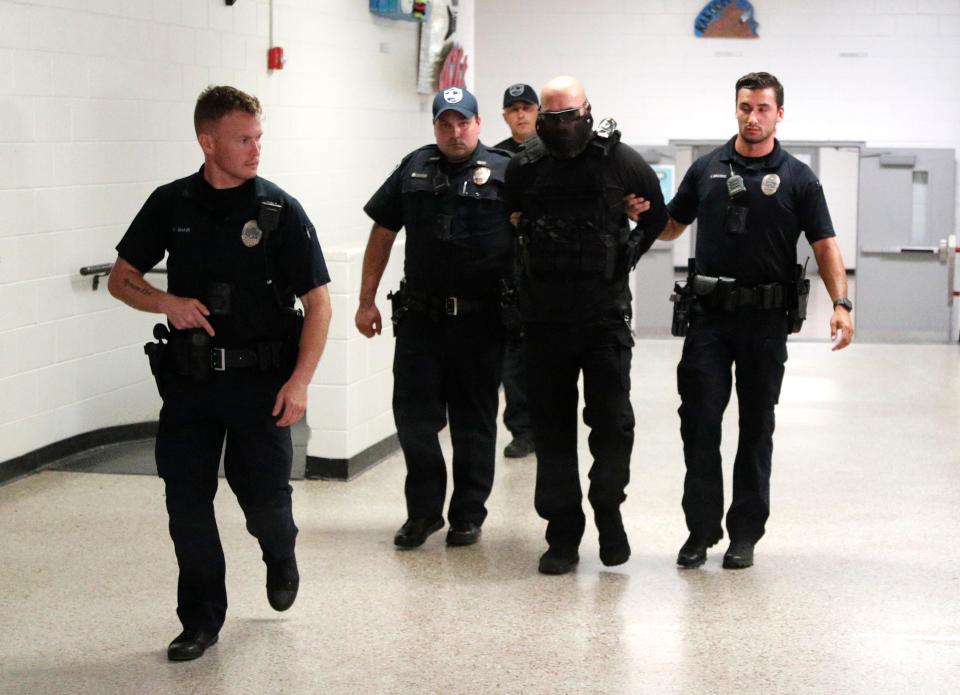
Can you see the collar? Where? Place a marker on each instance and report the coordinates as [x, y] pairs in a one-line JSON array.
[[197, 186], [771, 161]]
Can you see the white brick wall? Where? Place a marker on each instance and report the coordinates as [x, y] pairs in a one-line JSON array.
[[96, 102]]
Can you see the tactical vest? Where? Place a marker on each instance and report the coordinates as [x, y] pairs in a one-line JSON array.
[[238, 283], [573, 244], [458, 234]]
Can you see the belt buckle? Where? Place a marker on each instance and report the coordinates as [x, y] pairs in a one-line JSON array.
[[450, 306], [218, 359]]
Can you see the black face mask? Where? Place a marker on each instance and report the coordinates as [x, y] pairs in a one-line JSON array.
[[565, 134]]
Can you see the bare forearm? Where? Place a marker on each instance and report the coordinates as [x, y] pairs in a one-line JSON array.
[[672, 230], [316, 326], [127, 284], [832, 271], [375, 260]]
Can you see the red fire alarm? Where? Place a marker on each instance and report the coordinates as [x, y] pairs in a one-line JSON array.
[[275, 59]]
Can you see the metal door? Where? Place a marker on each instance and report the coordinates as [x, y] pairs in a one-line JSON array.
[[907, 245]]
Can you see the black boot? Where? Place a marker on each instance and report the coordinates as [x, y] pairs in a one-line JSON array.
[[283, 582], [558, 560], [693, 553], [739, 556], [189, 645], [415, 531], [614, 546]]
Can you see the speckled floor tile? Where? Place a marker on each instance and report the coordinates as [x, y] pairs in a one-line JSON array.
[[855, 587]]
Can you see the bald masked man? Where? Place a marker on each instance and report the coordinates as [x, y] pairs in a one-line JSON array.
[[566, 193]]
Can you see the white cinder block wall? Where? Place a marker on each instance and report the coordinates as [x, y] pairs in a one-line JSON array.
[[96, 102], [882, 71]]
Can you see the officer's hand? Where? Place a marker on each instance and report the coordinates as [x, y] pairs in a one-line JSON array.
[[633, 205], [841, 322], [185, 312], [368, 320], [292, 402], [515, 218]]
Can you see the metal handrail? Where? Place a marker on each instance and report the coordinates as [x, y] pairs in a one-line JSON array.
[[102, 270]]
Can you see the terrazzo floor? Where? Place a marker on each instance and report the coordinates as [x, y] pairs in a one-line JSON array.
[[856, 587]]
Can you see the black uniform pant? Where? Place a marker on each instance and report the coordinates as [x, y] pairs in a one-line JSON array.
[[516, 414], [194, 420], [556, 354], [448, 365], [756, 342]]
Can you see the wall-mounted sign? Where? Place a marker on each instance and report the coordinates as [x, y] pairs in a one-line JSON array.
[[400, 9], [665, 174], [728, 19]]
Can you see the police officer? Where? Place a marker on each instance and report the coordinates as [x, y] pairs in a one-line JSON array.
[[520, 104], [232, 364], [567, 190], [447, 323], [752, 199]]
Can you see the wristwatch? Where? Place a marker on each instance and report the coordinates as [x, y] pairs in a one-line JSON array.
[[844, 302]]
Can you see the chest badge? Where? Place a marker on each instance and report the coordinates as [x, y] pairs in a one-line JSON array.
[[481, 175], [770, 184], [251, 234]]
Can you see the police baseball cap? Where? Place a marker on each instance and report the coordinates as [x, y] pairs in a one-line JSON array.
[[520, 92], [455, 99]]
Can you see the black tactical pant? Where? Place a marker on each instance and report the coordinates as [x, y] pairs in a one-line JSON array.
[[450, 364], [756, 342], [516, 413], [556, 354], [194, 420]]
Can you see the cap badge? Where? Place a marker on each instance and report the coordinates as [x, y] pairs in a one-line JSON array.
[[481, 175], [453, 95], [516, 90], [251, 234], [770, 184]]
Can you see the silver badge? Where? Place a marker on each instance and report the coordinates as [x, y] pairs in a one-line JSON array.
[[251, 234], [481, 175], [770, 184]]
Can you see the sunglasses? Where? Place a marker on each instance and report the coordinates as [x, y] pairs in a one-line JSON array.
[[562, 117]]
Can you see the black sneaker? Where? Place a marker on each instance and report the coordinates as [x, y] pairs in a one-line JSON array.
[[283, 582], [415, 531], [558, 560], [520, 446]]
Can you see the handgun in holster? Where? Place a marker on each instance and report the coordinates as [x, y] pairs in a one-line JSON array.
[[797, 313], [683, 298], [398, 304], [157, 354]]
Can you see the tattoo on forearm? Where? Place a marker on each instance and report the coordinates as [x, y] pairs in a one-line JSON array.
[[145, 291]]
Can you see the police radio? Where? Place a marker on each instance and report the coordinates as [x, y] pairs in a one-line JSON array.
[[736, 218]]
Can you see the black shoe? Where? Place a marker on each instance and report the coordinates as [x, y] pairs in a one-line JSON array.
[[283, 581], [415, 531], [189, 645], [614, 546], [520, 446], [558, 560], [463, 533], [693, 553], [739, 556]]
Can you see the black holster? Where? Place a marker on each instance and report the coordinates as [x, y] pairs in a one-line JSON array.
[[683, 298], [509, 308], [158, 354], [797, 313], [398, 304]]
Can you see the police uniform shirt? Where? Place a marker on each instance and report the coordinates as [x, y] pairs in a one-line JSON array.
[[459, 239], [201, 227], [510, 145], [783, 198]]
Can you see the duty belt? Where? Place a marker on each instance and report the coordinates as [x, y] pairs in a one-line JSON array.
[[264, 355], [424, 303], [724, 293]]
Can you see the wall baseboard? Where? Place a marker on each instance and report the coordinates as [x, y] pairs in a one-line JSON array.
[[38, 458], [319, 468]]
